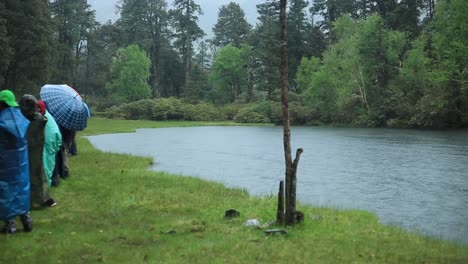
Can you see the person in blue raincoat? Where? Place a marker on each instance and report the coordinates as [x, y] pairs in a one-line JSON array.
[[14, 165], [53, 141]]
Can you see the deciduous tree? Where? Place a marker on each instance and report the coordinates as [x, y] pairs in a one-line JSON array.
[[129, 74]]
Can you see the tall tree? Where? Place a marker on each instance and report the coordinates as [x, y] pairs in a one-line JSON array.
[[29, 34], [204, 56], [297, 31], [145, 22], [74, 20], [330, 11], [266, 49], [171, 70], [102, 45], [231, 27], [185, 18]]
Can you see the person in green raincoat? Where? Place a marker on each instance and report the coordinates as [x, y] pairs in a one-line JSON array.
[[39, 189], [53, 141]]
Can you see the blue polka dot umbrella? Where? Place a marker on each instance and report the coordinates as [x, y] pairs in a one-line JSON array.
[[65, 105]]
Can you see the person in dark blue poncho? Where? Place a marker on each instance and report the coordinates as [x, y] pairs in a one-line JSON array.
[[14, 165]]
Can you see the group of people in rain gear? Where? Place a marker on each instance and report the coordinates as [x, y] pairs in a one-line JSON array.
[[33, 156]]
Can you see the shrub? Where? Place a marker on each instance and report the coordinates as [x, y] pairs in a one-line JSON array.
[[230, 110], [139, 110], [247, 115], [203, 112], [299, 114]]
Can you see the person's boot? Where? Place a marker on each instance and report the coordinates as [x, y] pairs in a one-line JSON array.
[[10, 227], [50, 203], [27, 222], [55, 178]]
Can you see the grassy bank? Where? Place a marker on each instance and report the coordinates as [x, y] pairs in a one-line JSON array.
[[113, 209]]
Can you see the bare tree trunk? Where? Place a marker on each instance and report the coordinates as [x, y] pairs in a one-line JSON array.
[[291, 216], [280, 211]]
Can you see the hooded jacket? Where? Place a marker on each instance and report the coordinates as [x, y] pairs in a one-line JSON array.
[[53, 141], [14, 164]]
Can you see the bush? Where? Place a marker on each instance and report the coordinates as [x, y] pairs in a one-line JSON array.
[[169, 109], [247, 115], [177, 109], [299, 114], [230, 110], [138, 110], [203, 112], [166, 109]]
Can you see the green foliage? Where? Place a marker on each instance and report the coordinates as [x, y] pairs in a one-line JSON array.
[[433, 80], [198, 86], [229, 73], [354, 73], [450, 43], [305, 74], [130, 73]]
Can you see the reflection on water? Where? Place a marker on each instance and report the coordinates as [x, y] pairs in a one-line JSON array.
[[415, 179]]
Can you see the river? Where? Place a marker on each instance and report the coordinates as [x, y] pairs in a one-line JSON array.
[[414, 179]]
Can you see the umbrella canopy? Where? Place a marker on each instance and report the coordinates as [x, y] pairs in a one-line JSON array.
[[65, 105]]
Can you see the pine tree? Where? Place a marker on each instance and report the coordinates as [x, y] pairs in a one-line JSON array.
[[266, 49], [297, 32], [231, 27], [74, 20], [185, 19]]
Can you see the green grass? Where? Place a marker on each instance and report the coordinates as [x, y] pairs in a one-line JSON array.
[[112, 209]]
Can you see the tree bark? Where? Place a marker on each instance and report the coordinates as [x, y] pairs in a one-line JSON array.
[[280, 211], [291, 168]]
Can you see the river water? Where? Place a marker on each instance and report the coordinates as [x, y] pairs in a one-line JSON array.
[[414, 179]]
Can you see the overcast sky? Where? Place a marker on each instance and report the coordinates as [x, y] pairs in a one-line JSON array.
[[105, 10]]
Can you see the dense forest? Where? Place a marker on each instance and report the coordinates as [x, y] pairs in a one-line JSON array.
[[375, 63]]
